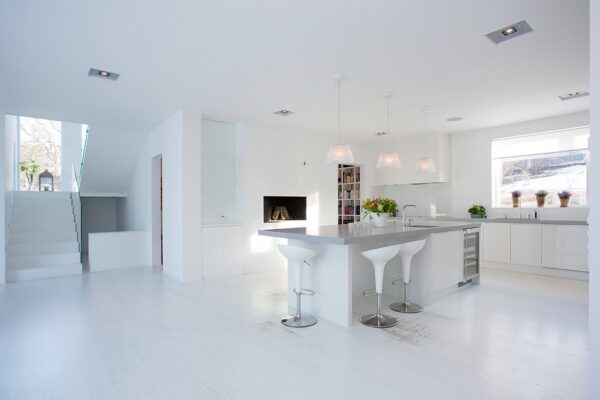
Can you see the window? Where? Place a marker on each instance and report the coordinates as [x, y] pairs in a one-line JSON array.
[[553, 161], [40, 145]]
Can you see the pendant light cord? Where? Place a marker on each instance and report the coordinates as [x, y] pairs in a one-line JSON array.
[[339, 123], [425, 129], [387, 113]]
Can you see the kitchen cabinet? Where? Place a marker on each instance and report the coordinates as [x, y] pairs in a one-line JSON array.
[[496, 242], [526, 244], [565, 247], [447, 259]]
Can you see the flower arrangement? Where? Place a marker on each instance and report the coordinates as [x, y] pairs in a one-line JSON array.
[[565, 194], [564, 197], [516, 196], [540, 197], [380, 205]]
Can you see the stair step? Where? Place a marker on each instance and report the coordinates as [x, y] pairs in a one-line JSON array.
[[53, 271], [54, 237], [33, 227], [21, 195], [42, 208], [41, 213], [42, 260], [42, 219], [24, 249]]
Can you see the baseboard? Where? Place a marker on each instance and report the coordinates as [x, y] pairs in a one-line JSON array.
[[528, 269]]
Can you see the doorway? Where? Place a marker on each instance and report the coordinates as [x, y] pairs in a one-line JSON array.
[[157, 212]]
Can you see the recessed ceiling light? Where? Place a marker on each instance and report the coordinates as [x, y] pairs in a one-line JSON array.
[[380, 133], [509, 32], [283, 112], [101, 73], [573, 95], [454, 119]]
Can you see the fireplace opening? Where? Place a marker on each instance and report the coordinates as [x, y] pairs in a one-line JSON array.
[[284, 208]]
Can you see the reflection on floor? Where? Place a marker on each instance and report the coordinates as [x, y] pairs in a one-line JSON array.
[[133, 334]]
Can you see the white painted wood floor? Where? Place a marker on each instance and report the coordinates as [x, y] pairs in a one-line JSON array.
[[133, 334]]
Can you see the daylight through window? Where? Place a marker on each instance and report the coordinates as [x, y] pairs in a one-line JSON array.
[[553, 161]]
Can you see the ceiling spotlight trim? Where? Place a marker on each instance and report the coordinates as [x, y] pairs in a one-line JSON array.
[[103, 74], [573, 95], [510, 32], [283, 112]]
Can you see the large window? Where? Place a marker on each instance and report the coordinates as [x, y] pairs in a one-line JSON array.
[[40, 149], [553, 161]]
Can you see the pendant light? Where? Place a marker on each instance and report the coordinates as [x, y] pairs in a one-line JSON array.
[[387, 159], [339, 153], [425, 164]]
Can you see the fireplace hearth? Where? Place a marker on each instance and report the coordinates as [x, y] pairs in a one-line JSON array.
[[284, 208]]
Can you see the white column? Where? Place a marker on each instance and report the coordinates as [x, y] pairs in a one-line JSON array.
[[70, 153], [594, 232], [3, 208]]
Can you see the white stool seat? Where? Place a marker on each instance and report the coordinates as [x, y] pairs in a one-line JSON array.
[[379, 258], [297, 257], [407, 251]]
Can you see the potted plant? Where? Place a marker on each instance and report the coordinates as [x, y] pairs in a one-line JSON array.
[[29, 168], [477, 211], [516, 195], [379, 209], [540, 197], [564, 197]]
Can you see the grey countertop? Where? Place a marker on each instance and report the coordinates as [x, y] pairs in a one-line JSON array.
[[364, 232], [507, 220]]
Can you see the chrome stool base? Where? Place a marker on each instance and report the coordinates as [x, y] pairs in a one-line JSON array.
[[302, 321], [407, 308], [378, 321]]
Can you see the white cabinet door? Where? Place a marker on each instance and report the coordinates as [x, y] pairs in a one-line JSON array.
[[526, 244], [565, 247], [447, 259], [496, 242]]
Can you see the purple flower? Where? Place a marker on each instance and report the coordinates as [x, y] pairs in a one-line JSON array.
[[565, 194], [516, 193]]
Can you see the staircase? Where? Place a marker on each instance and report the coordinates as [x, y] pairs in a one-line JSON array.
[[43, 240]]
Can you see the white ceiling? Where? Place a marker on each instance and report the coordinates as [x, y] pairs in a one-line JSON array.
[[241, 60]]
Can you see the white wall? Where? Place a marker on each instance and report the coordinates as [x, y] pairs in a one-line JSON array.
[[178, 141], [594, 232], [98, 214], [221, 158], [70, 153], [117, 250], [110, 159]]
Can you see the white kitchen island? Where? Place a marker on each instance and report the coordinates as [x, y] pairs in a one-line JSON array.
[[339, 271]]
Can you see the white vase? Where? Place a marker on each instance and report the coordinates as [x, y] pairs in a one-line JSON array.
[[380, 220]]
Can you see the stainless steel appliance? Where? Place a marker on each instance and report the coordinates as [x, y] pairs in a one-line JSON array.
[[471, 256]]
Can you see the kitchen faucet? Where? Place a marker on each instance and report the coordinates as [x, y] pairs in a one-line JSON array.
[[404, 221]]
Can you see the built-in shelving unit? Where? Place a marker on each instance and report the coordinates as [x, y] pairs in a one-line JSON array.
[[348, 193]]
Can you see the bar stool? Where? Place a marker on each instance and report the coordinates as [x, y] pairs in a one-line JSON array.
[[407, 251], [297, 257], [379, 258]]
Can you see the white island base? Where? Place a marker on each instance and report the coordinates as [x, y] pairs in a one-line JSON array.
[[339, 272]]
